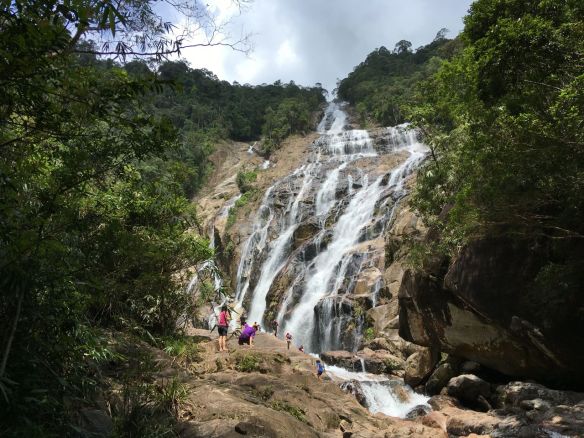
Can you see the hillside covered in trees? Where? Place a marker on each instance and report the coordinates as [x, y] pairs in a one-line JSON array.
[[383, 87]]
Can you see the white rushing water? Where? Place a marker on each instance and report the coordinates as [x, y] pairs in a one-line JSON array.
[[325, 271], [388, 396]]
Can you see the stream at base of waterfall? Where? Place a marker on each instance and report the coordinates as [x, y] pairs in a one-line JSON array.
[[344, 199]]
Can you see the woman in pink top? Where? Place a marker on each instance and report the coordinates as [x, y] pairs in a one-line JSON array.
[[222, 326]]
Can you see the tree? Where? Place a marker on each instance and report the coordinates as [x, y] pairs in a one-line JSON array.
[[402, 47]]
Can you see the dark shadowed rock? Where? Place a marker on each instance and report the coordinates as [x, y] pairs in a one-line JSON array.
[[305, 231], [487, 310], [439, 378], [419, 366], [472, 391], [355, 388], [418, 411]]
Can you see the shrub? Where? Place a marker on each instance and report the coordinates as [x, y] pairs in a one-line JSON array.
[[296, 412], [247, 363], [245, 179], [369, 334]]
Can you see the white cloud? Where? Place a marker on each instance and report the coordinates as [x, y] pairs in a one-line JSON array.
[[311, 41]]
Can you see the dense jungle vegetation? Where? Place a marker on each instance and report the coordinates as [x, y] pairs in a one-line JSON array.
[[98, 163], [383, 87], [504, 119]]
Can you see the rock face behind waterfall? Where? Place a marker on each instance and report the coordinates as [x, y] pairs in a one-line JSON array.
[[486, 307], [308, 249]]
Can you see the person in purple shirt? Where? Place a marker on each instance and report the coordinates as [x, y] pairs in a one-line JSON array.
[[247, 334]]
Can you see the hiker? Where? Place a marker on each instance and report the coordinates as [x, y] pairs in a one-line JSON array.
[[288, 339], [301, 348], [275, 327], [222, 326], [319, 368], [247, 335]]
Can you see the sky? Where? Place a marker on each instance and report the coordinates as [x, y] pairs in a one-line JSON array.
[[310, 41]]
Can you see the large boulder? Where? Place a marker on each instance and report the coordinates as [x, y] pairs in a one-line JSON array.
[[439, 378], [487, 309], [419, 366], [380, 361], [340, 358], [381, 317], [472, 391], [393, 277], [526, 394]]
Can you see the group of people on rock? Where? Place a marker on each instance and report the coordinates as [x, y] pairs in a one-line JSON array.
[[248, 333]]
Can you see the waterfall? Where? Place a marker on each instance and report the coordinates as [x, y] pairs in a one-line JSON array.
[[382, 394], [347, 204], [309, 248], [326, 267]]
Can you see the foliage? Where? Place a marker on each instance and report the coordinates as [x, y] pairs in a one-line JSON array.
[[295, 411], [504, 121], [200, 102], [239, 204], [247, 362], [383, 87], [369, 334], [149, 410], [245, 179], [96, 227], [291, 116], [182, 348]]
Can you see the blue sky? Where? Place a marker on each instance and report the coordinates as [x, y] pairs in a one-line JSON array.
[[311, 41]]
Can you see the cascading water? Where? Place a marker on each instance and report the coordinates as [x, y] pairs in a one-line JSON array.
[[313, 191], [303, 259], [382, 394]]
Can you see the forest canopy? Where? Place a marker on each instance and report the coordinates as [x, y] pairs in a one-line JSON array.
[[382, 87]]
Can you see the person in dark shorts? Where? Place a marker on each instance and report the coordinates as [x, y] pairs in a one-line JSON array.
[[275, 327], [319, 368], [222, 326]]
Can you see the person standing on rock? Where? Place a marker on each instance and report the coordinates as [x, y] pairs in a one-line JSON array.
[[222, 326], [319, 368], [275, 327], [288, 339]]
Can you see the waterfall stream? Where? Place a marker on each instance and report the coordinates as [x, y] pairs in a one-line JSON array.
[[382, 394], [314, 237]]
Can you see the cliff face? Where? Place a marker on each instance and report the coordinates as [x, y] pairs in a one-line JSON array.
[[487, 307]]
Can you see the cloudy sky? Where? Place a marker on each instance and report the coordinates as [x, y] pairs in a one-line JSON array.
[[311, 41]]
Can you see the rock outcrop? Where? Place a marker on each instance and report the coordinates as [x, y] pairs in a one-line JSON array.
[[486, 308]]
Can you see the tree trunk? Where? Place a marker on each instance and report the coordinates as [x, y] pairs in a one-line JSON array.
[[12, 333]]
